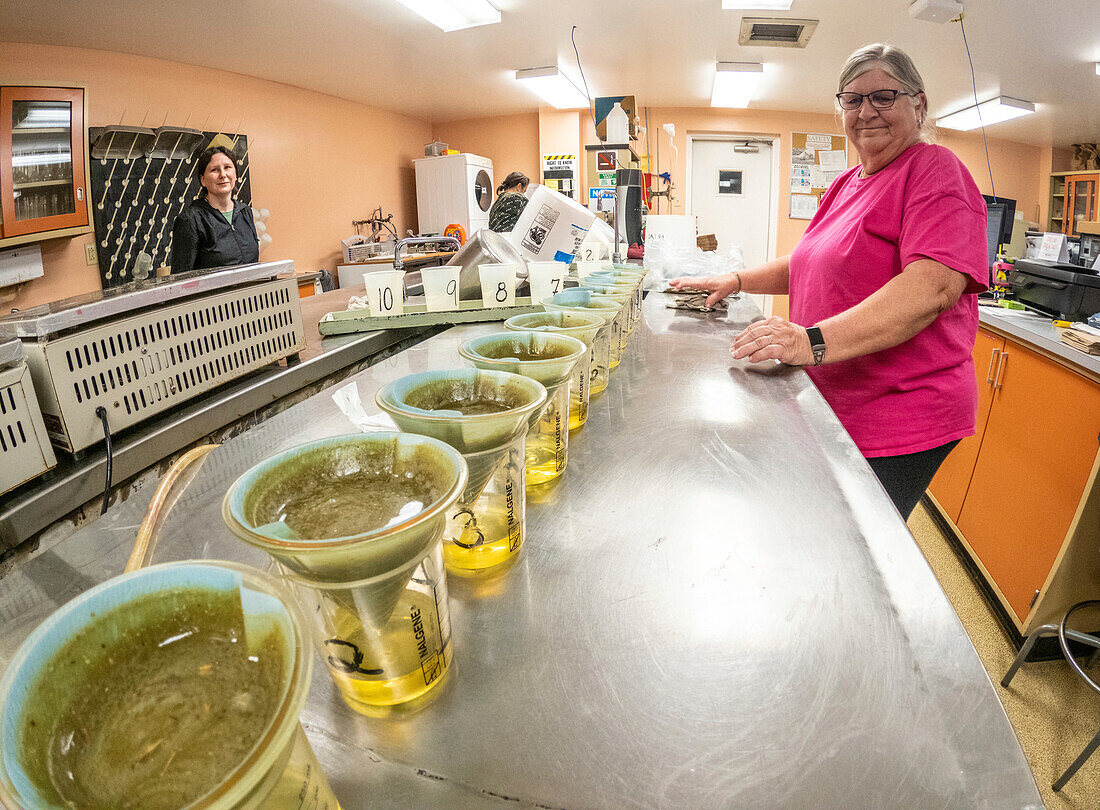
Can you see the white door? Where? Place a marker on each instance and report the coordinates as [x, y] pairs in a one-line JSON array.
[[732, 195]]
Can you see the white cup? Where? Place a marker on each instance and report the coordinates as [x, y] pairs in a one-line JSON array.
[[546, 278], [584, 268], [591, 250], [498, 284], [441, 288], [385, 292]]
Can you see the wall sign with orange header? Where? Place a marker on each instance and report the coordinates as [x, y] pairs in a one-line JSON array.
[[816, 160]]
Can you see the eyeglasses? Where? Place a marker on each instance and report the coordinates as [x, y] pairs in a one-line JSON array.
[[880, 99]]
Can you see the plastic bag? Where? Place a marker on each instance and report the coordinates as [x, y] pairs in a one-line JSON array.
[[666, 260]]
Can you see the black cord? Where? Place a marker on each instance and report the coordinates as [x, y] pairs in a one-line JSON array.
[[101, 412], [974, 87], [588, 95]]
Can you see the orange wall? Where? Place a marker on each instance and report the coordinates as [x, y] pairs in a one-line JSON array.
[[317, 162], [510, 141], [1017, 168]]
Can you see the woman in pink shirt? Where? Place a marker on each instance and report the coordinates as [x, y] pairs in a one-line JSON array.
[[883, 284]]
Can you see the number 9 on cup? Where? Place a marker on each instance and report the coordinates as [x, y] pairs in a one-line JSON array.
[[498, 284], [441, 288]]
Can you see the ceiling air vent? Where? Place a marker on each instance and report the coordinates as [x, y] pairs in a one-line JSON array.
[[776, 32]]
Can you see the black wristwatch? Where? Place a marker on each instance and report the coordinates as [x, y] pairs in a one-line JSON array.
[[817, 344]]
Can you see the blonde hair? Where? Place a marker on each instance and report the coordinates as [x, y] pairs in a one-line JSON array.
[[896, 63]]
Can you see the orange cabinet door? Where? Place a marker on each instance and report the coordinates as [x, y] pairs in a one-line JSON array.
[[42, 159], [1040, 443], [953, 478]]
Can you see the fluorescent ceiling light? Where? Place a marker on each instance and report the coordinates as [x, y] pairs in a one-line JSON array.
[[452, 15], [553, 87], [993, 111], [770, 5], [734, 83]]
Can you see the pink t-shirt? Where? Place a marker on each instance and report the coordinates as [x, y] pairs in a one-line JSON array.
[[924, 205]]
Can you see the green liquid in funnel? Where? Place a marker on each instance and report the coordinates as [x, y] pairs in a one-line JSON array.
[[472, 407], [158, 715], [324, 506]]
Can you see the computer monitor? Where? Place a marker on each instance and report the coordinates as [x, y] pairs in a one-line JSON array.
[[994, 228], [1010, 215]]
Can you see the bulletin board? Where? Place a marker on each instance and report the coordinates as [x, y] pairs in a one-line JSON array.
[[816, 160], [135, 202]]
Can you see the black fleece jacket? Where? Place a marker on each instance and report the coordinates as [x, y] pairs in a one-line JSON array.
[[202, 238]]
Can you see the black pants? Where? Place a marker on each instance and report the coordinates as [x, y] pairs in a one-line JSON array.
[[905, 478]]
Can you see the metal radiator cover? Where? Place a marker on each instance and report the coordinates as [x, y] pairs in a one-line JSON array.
[[25, 451], [143, 364]]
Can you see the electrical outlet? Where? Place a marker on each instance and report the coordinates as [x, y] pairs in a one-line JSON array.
[[89, 253]]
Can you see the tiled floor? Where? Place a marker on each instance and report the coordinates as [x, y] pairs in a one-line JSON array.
[[1053, 712]]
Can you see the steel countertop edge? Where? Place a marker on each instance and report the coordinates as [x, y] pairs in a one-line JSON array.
[[718, 606]]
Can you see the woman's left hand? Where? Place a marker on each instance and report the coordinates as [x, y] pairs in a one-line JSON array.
[[774, 339]]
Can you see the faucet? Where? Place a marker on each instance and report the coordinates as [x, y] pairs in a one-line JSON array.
[[419, 240]]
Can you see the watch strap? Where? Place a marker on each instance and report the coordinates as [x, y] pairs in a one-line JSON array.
[[817, 344]]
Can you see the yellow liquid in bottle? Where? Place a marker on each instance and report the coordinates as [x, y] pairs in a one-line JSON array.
[[546, 449], [578, 393], [485, 536], [409, 657]]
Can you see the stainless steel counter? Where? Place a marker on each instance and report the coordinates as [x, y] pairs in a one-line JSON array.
[[718, 607], [77, 480]]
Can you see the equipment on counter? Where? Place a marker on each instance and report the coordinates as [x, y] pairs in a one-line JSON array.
[[629, 210], [485, 247], [453, 189], [1060, 290], [136, 352], [25, 449]]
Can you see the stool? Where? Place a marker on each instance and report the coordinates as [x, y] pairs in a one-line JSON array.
[[1063, 636]]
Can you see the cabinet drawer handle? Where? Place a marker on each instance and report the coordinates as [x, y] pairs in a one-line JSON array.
[[1000, 368], [989, 371]]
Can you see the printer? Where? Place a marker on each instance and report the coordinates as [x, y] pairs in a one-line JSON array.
[[1066, 291]]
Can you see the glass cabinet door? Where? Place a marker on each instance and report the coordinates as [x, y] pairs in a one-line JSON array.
[[42, 153], [1083, 202]]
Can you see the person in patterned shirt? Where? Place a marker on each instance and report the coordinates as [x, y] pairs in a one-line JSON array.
[[509, 203]]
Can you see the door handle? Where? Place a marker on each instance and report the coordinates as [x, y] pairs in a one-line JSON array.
[[1000, 368], [989, 371]]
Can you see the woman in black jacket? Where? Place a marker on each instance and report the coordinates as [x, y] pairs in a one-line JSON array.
[[214, 230]]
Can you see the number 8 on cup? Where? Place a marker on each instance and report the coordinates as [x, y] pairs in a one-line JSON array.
[[498, 284]]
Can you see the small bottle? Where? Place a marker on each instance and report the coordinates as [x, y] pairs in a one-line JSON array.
[[617, 125]]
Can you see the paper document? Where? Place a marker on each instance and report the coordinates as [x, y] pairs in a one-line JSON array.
[[803, 206], [832, 160]]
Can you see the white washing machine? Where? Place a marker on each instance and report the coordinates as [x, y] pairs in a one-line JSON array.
[[453, 189]]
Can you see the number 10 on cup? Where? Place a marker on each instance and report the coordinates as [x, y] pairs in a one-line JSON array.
[[385, 292], [498, 284], [440, 288]]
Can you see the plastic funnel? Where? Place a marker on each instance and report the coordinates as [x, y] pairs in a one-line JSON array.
[[582, 326], [158, 754], [541, 356], [472, 410], [580, 300], [397, 487]]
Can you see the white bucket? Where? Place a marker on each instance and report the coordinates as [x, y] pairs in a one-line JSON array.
[[551, 227]]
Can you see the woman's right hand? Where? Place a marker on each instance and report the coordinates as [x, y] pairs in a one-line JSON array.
[[718, 286]]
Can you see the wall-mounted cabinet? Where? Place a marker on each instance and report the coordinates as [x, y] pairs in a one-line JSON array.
[[1073, 199], [43, 164]]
